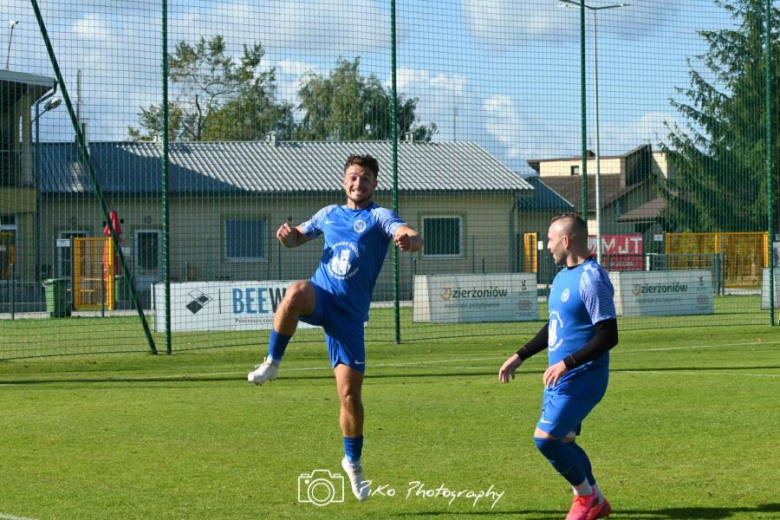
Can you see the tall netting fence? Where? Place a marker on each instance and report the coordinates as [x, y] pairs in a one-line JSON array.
[[119, 233]]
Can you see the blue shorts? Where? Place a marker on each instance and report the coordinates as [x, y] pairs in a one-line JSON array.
[[566, 406], [563, 413], [344, 336]]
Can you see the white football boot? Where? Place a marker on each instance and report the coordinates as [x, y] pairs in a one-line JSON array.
[[360, 486], [265, 371]]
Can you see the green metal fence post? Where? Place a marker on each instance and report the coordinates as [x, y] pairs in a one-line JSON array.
[[769, 205], [583, 95], [166, 229], [394, 120]]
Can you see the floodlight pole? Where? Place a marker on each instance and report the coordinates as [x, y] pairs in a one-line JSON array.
[[594, 9], [51, 103], [11, 25]]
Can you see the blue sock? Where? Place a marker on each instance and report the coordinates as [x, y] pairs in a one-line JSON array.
[[584, 460], [277, 344], [563, 458], [353, 448]]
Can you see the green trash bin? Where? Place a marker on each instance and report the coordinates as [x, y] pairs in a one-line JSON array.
[[57, 297], [121, 290]]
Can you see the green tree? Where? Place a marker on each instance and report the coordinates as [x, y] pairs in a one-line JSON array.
[[345, 106], [217, 97], [718, 159]]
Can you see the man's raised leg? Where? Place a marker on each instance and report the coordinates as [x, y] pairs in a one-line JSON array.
[[300, 298], [350, 385]]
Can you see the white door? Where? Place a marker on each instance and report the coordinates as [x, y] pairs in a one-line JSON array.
[[148, 258]]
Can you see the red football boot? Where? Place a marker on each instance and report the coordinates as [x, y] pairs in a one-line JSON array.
[[601, 510], [581, 506]]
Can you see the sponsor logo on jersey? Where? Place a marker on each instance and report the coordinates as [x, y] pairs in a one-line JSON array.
[[555, 324], [565, 295], [342, 260], [359, 226]]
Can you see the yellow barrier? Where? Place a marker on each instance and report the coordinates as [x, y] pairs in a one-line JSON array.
[[744, 254], [93, 273]]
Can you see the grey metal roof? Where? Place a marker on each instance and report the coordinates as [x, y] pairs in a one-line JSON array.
[[612, 188], [24, 78], [544, 198], [264, 167], [14, 84]]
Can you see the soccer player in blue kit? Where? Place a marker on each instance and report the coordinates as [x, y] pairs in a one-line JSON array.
[[581, 329], [337, 297]]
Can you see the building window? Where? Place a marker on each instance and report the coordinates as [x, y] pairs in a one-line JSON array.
[[443, 236], [149, 253], [7, 245], [7, 222], [575, 170], [245, 240]]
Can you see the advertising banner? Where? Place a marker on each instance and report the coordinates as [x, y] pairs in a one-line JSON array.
[[475, 298], [765, 287], [619, 252], [220, 305], [663, 293]]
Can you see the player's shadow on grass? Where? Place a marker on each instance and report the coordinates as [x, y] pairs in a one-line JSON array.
[[672, 513], [695, 368], [325, 374], [696, 513]]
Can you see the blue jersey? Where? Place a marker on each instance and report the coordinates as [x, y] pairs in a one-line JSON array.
[[579, 298], [356, 243]]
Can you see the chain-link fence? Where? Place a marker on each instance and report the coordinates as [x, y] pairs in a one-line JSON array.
[[141, 190]]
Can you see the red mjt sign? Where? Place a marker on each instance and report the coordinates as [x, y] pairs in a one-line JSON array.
[[619, 252]]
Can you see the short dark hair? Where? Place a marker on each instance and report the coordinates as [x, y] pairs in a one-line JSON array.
[[366, 161], [578, 224]]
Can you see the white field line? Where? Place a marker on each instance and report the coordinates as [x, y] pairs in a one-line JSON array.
[[12, 517], [719, 373], [466, 366], [690, 347]]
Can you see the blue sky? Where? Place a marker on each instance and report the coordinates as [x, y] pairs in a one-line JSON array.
[[503, 73]]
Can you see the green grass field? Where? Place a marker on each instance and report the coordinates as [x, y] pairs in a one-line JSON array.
[[687, 431]]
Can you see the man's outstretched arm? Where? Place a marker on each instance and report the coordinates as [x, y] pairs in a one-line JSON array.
[[407, 239]]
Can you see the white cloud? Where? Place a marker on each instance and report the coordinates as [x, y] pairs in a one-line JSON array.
[[503, 23], [298, 68], [92, 27], [289, 75], [321, 27], [439, 95], [419, 79], [503, 122], [618, 138], [522, 136]]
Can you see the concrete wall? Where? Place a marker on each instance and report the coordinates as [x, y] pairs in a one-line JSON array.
[[562, 168]]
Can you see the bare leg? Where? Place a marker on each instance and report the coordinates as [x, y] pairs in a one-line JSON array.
[[299, 299], [349, 383]]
